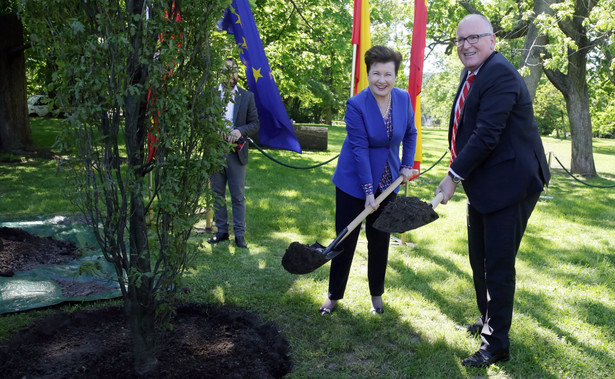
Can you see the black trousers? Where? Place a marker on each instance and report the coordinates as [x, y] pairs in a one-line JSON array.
[[493, 242], [347, 208]]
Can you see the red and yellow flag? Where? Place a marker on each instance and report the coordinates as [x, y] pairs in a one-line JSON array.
[[362, 39], [415, 81]]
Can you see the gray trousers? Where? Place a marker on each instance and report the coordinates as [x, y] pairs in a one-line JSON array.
[[235, 175]]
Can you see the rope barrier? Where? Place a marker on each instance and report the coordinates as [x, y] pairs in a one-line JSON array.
[[577, 179], [419, 174], [324, 163], [287, 164], [432, 166]]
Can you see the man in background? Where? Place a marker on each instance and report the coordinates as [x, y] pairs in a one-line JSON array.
[[242, 118]]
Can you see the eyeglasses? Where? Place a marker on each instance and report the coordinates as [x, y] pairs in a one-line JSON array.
[[472, 39]]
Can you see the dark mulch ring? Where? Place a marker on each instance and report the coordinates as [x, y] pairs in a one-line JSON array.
[[206, 341]]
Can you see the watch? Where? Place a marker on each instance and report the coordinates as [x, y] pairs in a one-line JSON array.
[[456, 179]]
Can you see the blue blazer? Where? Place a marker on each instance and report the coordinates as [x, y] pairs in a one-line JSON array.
[[499, 150], [367, 148]]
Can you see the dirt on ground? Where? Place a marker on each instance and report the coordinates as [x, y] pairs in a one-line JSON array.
[[205, 342], [23, 251]]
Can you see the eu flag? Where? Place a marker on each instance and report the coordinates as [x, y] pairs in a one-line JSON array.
[[276, 129]]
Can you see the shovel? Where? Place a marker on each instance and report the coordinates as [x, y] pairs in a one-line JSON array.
[[303, 259], [407, 213]]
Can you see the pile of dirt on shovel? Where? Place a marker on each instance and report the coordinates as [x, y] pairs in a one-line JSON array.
[[404, 214], [303, 259]]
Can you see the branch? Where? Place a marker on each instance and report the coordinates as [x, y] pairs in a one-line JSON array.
[[306, 21], [558, 79], [519, 31], [19, 49]]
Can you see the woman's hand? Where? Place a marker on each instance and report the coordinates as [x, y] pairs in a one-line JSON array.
[[370, 202], [407, 173]]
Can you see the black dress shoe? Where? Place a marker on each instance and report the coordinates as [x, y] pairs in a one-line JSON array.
[[376, 311], [218, 238], [484, 358], [241, 242]]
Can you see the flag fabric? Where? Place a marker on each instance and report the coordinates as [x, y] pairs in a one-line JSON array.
[[415, 80], [361, 37], [276, 129]]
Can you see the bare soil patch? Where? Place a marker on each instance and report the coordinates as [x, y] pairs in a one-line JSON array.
[[206, 341]]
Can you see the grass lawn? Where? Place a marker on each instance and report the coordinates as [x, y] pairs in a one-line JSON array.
[[564, 304]]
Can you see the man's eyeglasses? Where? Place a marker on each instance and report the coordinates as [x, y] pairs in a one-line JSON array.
[[472, 39]]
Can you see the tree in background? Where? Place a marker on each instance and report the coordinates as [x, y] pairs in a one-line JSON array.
[[550, 110], [563, 39], [15, 135], [307, 43], [127, 70]]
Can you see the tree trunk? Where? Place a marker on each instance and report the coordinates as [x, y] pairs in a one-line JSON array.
[[141, 297], [15, 134], [141, 304], [530, 57], [577, 105], [574, 88], [535, 46], [573, 85]]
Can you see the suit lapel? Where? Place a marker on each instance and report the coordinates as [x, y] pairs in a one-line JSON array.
[[238, 99], [375, 120]]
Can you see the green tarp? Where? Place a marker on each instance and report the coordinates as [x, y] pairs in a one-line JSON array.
[[42, 286]]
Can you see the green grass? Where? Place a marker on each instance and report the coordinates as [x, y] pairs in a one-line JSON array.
[[564, 305]]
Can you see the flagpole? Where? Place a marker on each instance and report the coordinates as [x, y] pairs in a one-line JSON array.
[[352, 76]]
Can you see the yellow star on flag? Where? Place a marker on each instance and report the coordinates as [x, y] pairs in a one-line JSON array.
[[244, 45], [233, 11], [257, 74]]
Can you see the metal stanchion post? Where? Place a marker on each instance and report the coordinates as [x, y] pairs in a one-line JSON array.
[[547, 187]]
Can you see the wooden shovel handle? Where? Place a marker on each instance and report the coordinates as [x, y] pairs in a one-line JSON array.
[[436, 200], [367, 211]]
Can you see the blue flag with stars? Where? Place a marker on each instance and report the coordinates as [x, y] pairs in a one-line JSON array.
[[276, 129]]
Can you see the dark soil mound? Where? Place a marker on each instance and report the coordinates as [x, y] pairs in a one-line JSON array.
[[206, 342], [23, 251]]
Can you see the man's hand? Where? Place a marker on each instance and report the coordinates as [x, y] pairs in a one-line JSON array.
[[447, 187], [234, 136]]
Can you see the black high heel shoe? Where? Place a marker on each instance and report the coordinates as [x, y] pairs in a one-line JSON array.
[[325, 311]]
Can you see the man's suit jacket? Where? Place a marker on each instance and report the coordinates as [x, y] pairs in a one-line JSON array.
[[245, 118], [367, 148], [499, 151]]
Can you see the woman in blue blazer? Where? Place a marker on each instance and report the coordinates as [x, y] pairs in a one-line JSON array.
[[378, 120]]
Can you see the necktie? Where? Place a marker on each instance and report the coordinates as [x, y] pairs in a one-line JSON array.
[[458, 108]]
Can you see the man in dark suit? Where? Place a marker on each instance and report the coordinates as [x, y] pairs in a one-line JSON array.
[[497, 154], [242, 118]]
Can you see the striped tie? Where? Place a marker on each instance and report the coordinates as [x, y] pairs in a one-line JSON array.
[[458, 108]]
